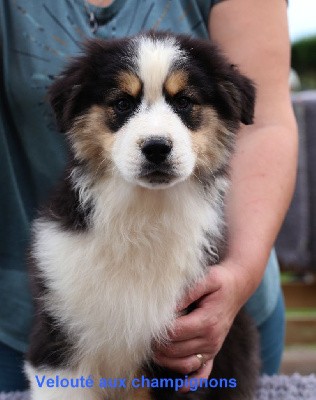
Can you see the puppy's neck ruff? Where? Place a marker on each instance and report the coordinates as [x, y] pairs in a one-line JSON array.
[[143, 247], [114, 198]]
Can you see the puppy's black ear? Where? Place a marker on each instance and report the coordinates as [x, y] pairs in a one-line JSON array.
[[62, 95], [247, 98], [242, 92]]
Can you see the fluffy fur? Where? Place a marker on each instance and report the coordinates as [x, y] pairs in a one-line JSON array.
[[138, 218]]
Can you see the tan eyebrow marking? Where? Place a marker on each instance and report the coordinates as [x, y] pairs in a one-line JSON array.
[[176, 82], [130, 83]]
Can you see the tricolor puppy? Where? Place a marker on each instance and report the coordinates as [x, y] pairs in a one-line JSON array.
[[138, 219]]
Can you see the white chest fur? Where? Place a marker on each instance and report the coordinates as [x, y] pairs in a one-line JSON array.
[[116, 285]]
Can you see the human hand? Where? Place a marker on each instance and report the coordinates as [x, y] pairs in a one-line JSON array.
[[203, 331]]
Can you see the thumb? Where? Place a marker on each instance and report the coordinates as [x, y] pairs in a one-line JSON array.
[[206, 286]]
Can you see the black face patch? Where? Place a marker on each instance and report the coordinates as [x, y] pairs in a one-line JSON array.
[[123, 106], [220, 83], [203, 90], [90, 80], [187, 106]]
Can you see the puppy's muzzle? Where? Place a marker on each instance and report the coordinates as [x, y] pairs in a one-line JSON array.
[[157, 167], [156, 150]]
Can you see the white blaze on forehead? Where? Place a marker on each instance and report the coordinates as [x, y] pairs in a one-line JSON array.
[[155, 59]]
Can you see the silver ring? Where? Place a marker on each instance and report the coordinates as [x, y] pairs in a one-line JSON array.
[[201, 359]]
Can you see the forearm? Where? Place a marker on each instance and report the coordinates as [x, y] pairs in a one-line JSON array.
[[263, 176], [254, 36]]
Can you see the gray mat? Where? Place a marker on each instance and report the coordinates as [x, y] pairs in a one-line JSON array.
[[278, 387]]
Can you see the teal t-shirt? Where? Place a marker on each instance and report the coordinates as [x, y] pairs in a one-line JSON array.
[[37, 39]]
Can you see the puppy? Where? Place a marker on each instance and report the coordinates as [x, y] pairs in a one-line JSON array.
[[138, 218]]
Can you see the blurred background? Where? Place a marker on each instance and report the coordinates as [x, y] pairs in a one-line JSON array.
[[302, 20], [296, 244]]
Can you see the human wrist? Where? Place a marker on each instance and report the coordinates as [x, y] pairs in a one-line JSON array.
[[246, 271]]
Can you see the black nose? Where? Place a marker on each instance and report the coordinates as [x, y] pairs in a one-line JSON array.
[[156, 150]]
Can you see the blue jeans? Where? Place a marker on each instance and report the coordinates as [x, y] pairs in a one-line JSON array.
[[272, 334], [11, 370], [271, 341]]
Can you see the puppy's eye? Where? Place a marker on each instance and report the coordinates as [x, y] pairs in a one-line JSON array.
[[183, 103], [123, 105]]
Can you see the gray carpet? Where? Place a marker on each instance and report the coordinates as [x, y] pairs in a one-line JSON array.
[[278, 387]]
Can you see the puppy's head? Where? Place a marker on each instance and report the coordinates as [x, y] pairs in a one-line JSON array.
[[154, 109]]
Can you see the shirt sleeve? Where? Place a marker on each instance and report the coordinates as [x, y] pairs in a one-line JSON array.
[[205, 7]]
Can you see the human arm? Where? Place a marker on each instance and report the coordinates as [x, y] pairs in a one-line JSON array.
[[254, 36], [264, 165]]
